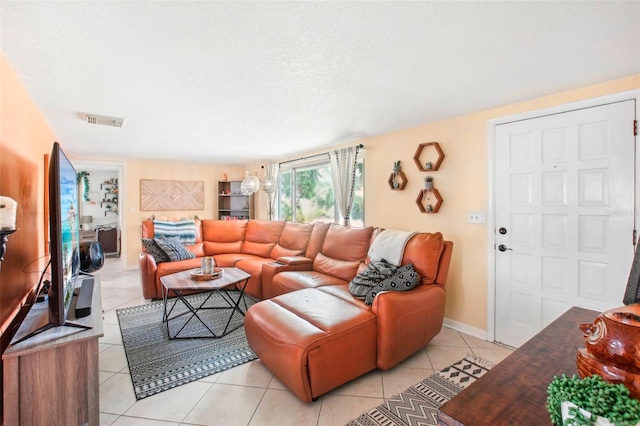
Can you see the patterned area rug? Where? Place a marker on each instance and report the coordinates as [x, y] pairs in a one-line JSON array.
[[419, 404], [157, 363]]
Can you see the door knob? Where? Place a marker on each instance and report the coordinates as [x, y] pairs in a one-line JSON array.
[[502, 247]]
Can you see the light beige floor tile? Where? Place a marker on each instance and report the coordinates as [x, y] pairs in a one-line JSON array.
[[398, 379], [277, 384], [340, 409], [103, 376], [226, 405], [107, 419], [252, 373], [283, 408], [112, 359], [368, 385], [110, 317], [211, 379], [171, 405], [111, 334], [448, 337], [494, 355], [137, 421], [475, 342], [116, 394], [444, 356], [417, 360], [103, 346]]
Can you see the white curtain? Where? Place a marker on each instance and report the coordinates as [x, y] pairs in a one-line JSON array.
[[343, 175], [272, 171]]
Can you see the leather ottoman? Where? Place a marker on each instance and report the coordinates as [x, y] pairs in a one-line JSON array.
[[312, 341]]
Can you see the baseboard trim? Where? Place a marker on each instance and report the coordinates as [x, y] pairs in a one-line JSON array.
[[467, 329]]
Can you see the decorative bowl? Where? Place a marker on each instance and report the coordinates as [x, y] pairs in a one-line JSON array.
[[198, 275]]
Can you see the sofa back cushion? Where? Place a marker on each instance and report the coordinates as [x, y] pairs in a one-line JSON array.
[[223, 236], [347, 243], [317, 239], [424, 251], [294, 240], [261, 236], [343, 250]]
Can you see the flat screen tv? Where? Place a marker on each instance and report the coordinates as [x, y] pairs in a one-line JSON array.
[[64, 222], [64, 225]]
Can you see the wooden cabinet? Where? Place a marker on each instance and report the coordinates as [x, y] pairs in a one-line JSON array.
[[52, 377], [231, 203]]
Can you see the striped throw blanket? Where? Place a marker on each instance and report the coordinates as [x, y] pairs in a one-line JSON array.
[[185, 230]]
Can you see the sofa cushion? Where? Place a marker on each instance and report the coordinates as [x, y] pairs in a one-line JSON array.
[[293, 241], [346, 243], [223, 236], [424, 251], [174, 248], [261, 236], [288, 281], [184, 230], [151, 247], [343, 269], [317, 239]]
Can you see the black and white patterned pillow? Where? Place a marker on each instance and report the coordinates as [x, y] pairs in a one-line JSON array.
[[404, 279], [154, 250], [372, 275], [174, 248]]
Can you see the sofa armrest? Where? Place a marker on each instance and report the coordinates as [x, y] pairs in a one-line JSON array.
[[294, 260], [285, 263], [407, 321], [148, 268]]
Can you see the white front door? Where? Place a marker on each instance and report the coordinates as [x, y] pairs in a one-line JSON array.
[[564, 206]]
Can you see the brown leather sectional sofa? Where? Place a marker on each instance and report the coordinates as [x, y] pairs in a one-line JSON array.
[[308, 329]]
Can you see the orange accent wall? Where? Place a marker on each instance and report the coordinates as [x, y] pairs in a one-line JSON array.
[[25, 138]]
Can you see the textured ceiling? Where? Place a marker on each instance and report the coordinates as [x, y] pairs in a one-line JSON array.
[[240, 82]]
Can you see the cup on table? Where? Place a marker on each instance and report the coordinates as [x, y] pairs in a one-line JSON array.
[[207, 265]]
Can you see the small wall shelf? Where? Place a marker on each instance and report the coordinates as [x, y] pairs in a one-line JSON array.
[[402, 181], [435, 164], [434, 200]]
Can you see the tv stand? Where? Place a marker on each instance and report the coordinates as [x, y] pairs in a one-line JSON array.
[[35, 392]]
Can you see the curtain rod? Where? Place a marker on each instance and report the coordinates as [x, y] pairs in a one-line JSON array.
[[360, 146]]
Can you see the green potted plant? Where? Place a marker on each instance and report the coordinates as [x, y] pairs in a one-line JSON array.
[[591, 401]]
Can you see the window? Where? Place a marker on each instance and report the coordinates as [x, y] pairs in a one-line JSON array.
[[307, 186]]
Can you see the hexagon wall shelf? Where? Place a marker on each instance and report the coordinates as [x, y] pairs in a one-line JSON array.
[[436, 164], [402, 181], [423, 203]]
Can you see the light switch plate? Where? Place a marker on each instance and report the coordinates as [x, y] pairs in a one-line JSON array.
[[476, 217]]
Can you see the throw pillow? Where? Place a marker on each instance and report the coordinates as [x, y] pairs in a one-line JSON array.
[[174, 248], [373, 274], [185, 230], [404, 279], [154, 250]]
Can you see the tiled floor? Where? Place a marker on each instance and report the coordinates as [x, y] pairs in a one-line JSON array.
[[249, 394]]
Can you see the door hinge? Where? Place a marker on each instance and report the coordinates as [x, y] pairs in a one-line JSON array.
[[634, 237], [635, 127]]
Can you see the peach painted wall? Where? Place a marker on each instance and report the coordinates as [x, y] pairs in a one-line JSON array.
[[463, 183], [25, 138], [132, 216]]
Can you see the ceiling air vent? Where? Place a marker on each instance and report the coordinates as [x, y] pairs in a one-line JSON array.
[[104, 120]]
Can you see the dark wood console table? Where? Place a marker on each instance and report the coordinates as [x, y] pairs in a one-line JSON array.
[[515, 390]]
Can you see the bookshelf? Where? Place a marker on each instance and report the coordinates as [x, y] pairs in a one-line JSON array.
[[232, 205]]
